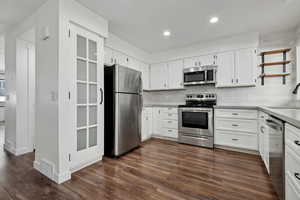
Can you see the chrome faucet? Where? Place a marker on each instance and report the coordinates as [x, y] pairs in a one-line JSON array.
[[295, 91]]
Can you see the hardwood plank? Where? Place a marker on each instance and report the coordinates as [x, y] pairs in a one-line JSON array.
[[159, 170]]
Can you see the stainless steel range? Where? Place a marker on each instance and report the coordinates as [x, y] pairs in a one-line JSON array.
[[195, 120]]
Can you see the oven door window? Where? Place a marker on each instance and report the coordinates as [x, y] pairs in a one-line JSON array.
[[210, 75], [197, 120], [194, 77]]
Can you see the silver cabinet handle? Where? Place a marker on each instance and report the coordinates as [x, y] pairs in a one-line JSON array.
[[232, 80], [169, 122], [234, 139], [262, 129], [169, 115], [297, 142], [235, 125], [235, 114], [170, 131], [237, 80]]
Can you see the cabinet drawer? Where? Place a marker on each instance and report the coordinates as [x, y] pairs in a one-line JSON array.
[[172, 133], [236, 113], [292, 164], [172, 124], [292, 138], [243, 125], [227, 138], [170, 110], [172, 116], [292, 189]]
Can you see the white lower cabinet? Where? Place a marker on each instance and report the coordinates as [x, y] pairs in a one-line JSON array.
[[263, 139], [236, 139], [236, 128], [165, 122], [147, 123], [292, 162]]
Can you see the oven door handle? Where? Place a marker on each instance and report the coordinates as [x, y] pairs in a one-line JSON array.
[[194, 110], [203, 138]]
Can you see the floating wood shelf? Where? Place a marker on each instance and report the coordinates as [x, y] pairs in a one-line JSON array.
[[284, 62], [275, 63], [275, 75], [274, 52]]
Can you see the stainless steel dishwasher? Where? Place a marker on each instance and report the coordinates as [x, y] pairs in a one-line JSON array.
[[276, 154]]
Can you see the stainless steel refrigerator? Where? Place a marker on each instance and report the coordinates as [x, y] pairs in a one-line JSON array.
[[122, 110]]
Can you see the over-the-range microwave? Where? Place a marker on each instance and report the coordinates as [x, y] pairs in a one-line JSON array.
[[200, 75]]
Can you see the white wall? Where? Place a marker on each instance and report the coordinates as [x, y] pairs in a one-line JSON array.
[[273, 92], [46, 155]]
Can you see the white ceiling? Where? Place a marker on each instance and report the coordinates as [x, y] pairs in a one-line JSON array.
[[13, 11], [141, 22]]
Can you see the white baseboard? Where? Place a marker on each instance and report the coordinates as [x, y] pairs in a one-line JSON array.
[[50, 173], [9, 148], [86, 164], [15, 151], [62, 177]]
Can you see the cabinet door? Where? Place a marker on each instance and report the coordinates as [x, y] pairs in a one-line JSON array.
[[135, 64], [266, 149], [159, 76], [261, 140], [206, 60], [145, 75], [120, 58], [108, 56], [145, 125], [225, 73], [156, 121], [175, 74], [245, 66], [191, 62]]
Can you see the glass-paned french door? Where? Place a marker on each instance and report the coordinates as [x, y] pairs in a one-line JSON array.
[[89, 95], [86, 93]]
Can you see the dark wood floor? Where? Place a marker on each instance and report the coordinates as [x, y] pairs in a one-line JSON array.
[[158, 170]]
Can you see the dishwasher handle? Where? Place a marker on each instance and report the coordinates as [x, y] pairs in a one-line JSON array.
[[275, 124]]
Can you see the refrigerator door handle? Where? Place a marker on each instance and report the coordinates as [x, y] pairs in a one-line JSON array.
[[101, 91]]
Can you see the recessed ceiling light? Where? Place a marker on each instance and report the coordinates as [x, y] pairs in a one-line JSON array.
[[167, 33], [214, 20]]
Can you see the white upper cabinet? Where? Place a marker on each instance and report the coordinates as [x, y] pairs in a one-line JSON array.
[[245, 64], [159, 76], [108, 56], [200, 61], [175, 69], [236, 68], [189, 62], [207, 60], [145, 76], [225, 73]]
